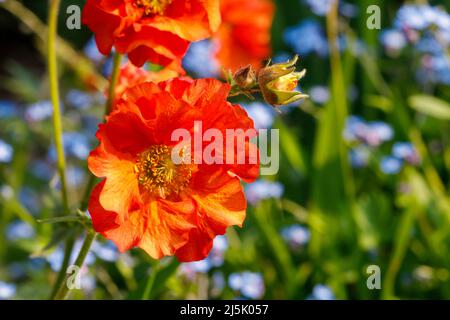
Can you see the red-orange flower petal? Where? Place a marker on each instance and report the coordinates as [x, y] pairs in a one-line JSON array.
[[156, 31], [147, 200]]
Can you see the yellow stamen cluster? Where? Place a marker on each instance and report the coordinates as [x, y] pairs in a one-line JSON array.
[[158, 174], [152, 7]]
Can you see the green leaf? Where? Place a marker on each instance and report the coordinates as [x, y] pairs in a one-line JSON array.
[[291, 148], [431, 106]]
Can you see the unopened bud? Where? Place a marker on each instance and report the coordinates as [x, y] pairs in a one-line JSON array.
[[279, 81]]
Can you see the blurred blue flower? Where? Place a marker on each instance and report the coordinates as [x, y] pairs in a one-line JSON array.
[[199, 59], [87, 280], [359, 156], [435, 69], [319, 7], [406, 151], [190, 269], [378, 132], [428, 29], [42, 169], [421, 16], [429, 44], [319, 94], [75, 144], [75, 176], [29, 198], [262, 114], [107, 67], [39, 111], [8, 109], [91, 51], [6, 152], [370, 133], [348, 9], [306, 37], [105, 251], [393, 40], [220, 246], [79, 99], [391, 165], [321, 292], [7, 290], [249, 284], [355, 127], [262, 189], [19, 230], [296, 236]]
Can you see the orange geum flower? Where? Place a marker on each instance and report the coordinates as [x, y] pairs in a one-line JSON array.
[[244, 35], [158, 31], [147, 199]]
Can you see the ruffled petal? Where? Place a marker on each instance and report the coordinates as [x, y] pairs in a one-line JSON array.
[[104, 222], [166, 226]]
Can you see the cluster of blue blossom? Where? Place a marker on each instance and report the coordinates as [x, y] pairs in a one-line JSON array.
[[321, 292], [76, 144], [364, 137], [296, 236], [248, 284], [402, 152], [322, 7], [308, 37], [263, 189], [7, 290], [427, 29]]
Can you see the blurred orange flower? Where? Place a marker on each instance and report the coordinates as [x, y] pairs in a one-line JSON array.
[[131, 75], [145, 198], [244, 35], [158, 31]]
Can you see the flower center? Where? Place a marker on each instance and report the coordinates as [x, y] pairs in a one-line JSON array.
[[157, 173], [153, 6]]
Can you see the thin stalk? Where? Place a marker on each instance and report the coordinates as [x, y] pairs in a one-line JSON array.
[[52, 66], [339, 91], [150, 282], [113, 82], [58, 292], [70, 242], [54, 95], [63, 288]]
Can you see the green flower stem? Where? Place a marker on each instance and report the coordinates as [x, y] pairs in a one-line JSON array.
[[54, 95], [63, 288], [113, 82], [339, 90], [57, 123], [150, 282], [60, 287], [70, 242]]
